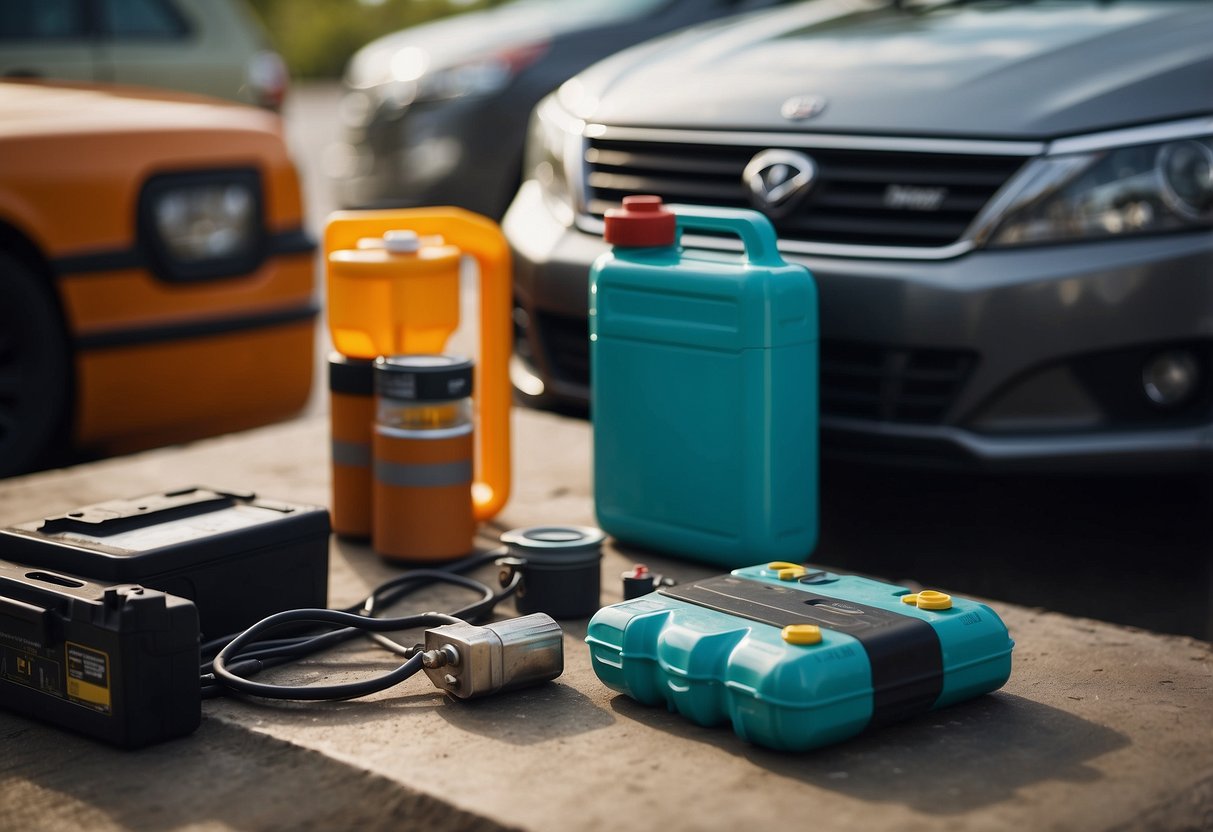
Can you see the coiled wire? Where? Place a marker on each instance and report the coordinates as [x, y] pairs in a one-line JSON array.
[[244, 654]]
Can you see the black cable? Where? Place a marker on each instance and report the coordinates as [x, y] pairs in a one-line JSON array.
[[472, 612], [234, 662], [288, 649], [346, 690], [437, 573]]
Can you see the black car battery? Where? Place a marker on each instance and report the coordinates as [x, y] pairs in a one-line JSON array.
[[119, 663], [239, 558]]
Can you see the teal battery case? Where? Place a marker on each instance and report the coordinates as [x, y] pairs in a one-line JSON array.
[[796, 658]]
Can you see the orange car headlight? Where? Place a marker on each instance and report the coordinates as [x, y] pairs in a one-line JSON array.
[[201, 225]]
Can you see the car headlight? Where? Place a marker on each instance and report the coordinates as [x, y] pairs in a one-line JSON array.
[[554, 148], [406, 76], [201, 225], [482, 75], [1109, 192]]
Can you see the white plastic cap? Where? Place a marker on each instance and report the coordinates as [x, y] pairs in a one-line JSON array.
[[402, 241]]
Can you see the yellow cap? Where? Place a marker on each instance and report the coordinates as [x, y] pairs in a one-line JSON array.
[[912, 598], [777, 565], [929, 599], [802, 634], [792, 573]]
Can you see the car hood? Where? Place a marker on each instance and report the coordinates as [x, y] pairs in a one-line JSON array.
[[991, 69], [31, 108]]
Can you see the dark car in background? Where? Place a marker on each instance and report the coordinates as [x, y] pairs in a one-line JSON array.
[[437, 113], [1007, 208]]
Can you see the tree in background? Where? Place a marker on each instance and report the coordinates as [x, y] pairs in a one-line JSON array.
[[317, 37]]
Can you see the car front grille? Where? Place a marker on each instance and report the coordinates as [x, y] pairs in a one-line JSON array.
[[858, 381], [854, 201], [862, 381]]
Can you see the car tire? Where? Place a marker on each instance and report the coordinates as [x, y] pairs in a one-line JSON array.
[[34, 368]]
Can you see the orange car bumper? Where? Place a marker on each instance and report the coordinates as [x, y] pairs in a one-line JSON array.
[[157, 362]]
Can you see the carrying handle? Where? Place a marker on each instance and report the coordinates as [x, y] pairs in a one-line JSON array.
[[482, 239], [755, 230]]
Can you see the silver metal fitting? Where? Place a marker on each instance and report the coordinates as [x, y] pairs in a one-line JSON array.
[[468, 661], [447, 655]]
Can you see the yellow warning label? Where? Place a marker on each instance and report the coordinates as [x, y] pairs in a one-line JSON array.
[[85, 692], [88, 677]]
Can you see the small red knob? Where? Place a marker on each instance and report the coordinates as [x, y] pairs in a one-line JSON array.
[[642, 222]]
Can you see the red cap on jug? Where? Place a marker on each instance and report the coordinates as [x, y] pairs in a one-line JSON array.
[[642, 221]]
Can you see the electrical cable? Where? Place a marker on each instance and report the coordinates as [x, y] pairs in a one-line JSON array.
[[471, 613], [345, 690], [437, 573], [241, 655]]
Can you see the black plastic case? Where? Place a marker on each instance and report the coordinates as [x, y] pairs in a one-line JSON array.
[[238, 557], [118, 663]]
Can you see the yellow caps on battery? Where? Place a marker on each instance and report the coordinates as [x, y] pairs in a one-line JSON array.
[[929, 599], [786, 571], [803, 634]]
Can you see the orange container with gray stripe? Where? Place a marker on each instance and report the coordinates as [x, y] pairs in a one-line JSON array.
[[393, 289], [352, 417], [423, 449]]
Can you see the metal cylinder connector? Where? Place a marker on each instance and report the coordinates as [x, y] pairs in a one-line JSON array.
[[468, 661]]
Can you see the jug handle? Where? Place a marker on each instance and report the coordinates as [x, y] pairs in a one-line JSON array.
[[755, 230], [493, 398]]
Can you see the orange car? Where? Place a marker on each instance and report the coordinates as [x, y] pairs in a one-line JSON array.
[[156, 283]]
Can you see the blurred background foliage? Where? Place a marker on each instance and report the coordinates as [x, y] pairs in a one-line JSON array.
[[317, 37]]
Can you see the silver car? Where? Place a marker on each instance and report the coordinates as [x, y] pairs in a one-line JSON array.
[[1007, 209]]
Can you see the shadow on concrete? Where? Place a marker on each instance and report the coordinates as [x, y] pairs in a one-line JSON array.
[[528, 716], [412, 696], [245, 781], [947, 762], [521, 717], [1087, 546]]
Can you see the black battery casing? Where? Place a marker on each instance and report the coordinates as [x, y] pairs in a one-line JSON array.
[[114, 662], [239, 558]]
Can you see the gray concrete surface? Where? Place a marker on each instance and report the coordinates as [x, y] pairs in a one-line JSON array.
[[1100, 727]]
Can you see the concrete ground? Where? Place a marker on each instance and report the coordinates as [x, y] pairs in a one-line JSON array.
[[1099, 728]]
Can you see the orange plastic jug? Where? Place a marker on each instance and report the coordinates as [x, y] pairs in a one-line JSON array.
[[393, 289]]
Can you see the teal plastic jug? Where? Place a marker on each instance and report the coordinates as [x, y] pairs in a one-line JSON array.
[[704, 388]]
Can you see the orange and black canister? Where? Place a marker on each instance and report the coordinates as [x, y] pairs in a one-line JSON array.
[[351, 420], [422, 457]]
